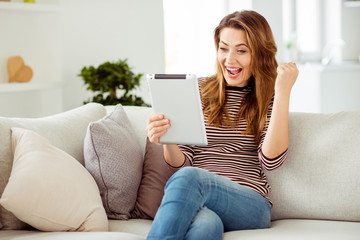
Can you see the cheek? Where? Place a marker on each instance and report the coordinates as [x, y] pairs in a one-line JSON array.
[[246, 64], [219, 58], [248, 61]]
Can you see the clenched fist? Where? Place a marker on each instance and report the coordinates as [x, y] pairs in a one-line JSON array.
[[287, 75]]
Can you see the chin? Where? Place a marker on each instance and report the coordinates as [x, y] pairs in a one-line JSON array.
[[236, 82]]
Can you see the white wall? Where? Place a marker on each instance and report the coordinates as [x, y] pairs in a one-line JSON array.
[[89, 32], [326, 89], [57, 38], [34, 36], [32, 32], [96, 31]]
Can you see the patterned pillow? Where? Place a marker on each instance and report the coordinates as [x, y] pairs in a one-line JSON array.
[[114, 157]]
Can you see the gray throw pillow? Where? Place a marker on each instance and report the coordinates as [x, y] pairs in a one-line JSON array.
[[114, 158]]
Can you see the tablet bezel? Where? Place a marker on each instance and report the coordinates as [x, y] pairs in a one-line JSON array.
[[177, 96]]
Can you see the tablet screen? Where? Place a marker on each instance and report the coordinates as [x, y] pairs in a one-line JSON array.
[[177, 97]]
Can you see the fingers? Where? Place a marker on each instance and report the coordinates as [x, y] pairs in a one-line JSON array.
[[156, 121], [155, 117], [157, 125], [287, 75], [287, 67]]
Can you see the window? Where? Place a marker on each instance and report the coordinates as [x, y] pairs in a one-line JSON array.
[[301, 29], [189, 40]]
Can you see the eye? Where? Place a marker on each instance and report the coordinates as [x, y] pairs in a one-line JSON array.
[[222, 49], [241, 51]]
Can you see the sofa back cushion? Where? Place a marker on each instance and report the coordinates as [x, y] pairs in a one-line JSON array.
[[320, 178], [138, 117], [64, 130]]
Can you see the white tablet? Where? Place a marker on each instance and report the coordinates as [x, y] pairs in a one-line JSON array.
[[177, 97]]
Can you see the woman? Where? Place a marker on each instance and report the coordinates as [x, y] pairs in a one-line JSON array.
[[246, 115]]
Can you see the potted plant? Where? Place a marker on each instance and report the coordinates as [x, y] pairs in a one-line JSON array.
[[110, 78]]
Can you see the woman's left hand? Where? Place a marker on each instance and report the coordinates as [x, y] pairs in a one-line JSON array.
[[287, 75]]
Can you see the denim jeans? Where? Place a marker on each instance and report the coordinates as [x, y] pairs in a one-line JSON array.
[[198, 204]]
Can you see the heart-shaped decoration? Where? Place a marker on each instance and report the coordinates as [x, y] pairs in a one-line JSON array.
[[18, 71]]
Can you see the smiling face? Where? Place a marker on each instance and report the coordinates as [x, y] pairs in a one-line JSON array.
[[234, 57]]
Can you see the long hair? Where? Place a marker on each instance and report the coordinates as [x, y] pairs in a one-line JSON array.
[[263, 66]]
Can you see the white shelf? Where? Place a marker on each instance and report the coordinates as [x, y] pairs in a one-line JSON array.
[[36, 7], [29, 86]]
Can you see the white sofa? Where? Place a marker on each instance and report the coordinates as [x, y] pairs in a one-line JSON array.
[[316, 192]]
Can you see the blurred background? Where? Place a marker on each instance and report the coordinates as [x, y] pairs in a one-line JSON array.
[[57, 38]]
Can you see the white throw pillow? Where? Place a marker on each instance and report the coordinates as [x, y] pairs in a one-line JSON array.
[[49, 189], [65, 130]]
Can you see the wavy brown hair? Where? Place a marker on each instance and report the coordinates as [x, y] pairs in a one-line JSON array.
[[254, 107]]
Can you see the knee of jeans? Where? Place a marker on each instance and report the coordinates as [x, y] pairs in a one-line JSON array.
[[186, 175], [206, 225]]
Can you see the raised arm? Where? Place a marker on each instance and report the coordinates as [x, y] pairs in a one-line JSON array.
[[157, 125], [276, 140]]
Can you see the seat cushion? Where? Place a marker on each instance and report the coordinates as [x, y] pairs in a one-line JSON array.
[[137, 229], [300, 230], [135, 226], [36, 235]]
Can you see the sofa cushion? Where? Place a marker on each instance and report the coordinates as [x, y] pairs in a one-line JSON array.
[[320, 178], [155, 175], [49, 189], [64, 130], [136, 226], [114, 157], [36, 235], [138, 117], [299, 229]]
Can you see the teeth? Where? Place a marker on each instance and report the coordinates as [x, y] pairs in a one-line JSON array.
[[232, 69]]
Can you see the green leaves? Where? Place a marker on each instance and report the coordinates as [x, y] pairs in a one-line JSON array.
[[107, 79]]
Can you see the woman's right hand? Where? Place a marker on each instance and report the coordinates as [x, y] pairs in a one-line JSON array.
[[157, 125]]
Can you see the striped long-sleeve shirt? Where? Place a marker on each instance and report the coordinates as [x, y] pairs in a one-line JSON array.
[[232, 154]]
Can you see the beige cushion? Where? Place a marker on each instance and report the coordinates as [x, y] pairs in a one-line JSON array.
[[65, 131], [114, 157], [49, 189], [155, 175], [298, 229], [320, 178]]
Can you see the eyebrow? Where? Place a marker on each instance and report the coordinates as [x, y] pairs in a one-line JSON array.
[[237, 45]]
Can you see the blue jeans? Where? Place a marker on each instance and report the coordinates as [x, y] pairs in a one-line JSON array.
[[198, 204]]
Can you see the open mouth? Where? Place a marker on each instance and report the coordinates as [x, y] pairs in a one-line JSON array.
[[233, 71]]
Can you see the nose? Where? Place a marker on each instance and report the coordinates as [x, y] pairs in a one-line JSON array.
[[230, 57]]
